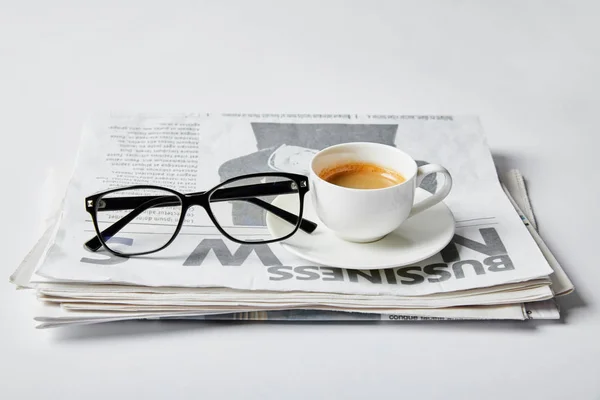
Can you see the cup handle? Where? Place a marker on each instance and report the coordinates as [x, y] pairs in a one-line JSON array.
[[439, 195]]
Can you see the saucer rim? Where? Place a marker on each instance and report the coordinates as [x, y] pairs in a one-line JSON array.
[[293, 250]]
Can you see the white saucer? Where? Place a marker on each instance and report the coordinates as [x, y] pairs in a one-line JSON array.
[[418, 238]]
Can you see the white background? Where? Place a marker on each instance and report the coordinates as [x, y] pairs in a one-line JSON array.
[[529, 69]]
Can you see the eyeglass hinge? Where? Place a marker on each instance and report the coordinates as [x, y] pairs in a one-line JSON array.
[[90, 203]]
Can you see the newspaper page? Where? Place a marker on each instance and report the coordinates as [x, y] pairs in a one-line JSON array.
[[194, 152], [57, 317]]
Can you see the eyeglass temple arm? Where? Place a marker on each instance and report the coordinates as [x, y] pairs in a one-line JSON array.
[[140, 204], [159, 201]]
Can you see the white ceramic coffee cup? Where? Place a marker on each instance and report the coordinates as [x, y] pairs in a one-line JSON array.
[[367, 215]]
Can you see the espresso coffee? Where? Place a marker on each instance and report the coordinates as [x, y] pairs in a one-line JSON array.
[[359, 175]]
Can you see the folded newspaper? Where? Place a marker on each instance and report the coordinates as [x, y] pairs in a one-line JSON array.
[[495, 267]]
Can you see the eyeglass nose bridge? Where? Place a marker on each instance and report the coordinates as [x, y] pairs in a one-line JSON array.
[[197, 199]]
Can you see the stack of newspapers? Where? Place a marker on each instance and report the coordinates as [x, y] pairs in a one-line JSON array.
[[496, 267]]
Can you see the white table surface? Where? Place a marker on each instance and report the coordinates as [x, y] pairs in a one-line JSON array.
[[528, 69]]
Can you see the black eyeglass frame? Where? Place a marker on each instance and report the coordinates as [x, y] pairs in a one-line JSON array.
[[202, 199]]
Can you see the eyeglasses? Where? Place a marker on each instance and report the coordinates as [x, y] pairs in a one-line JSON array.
[[140, 207]]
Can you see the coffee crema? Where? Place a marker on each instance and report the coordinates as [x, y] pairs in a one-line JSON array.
[[360, 175]]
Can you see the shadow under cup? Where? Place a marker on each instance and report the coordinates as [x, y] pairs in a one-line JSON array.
[[363, 215]]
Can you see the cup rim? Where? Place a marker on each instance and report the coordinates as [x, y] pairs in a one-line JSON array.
[[372, 144]]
